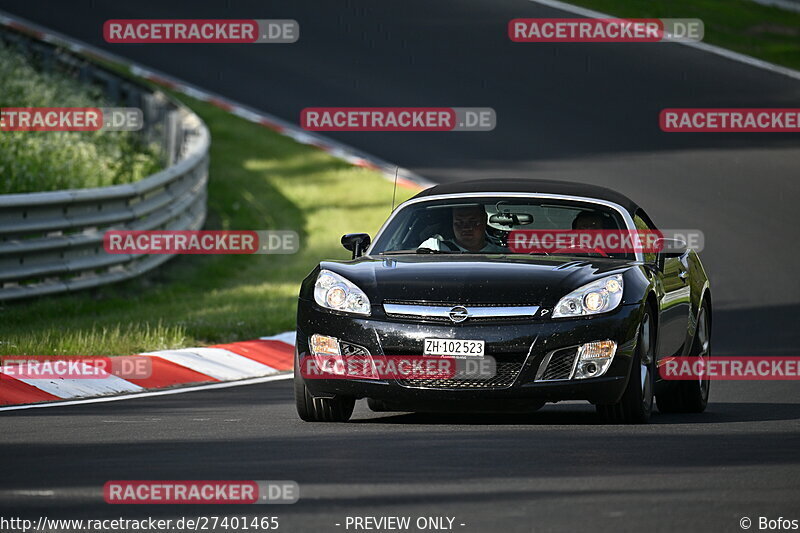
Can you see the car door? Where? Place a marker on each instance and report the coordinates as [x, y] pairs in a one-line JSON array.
[[674, 297]]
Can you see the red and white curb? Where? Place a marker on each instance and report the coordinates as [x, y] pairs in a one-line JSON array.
[[222, 363], [405, 177]]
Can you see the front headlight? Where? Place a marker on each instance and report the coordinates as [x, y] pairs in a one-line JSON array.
[[596, 297], [335, 292]]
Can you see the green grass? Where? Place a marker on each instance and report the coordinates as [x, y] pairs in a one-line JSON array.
[[114, 339], [34, 161], [259, 180], [765, 32]]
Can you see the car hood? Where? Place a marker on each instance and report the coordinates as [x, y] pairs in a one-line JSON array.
[[472, 279]]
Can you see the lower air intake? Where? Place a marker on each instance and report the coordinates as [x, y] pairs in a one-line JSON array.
[[560, 365], [505, 375]]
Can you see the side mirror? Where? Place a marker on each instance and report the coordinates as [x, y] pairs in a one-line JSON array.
[[670, 248], [356, 243]]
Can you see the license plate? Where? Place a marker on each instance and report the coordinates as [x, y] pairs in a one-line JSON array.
[[453, 347]]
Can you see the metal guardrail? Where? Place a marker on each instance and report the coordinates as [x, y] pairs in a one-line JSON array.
[[52, 242]]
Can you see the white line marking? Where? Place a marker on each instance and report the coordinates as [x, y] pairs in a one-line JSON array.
[[735, 56], [33, 492], [216, 362], [252, 381]]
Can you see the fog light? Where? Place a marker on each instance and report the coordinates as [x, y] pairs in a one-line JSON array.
[[327, 354], [594, 358]]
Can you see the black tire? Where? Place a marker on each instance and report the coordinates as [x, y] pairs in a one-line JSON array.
[[636, 403], [311, 409], [691, 396]]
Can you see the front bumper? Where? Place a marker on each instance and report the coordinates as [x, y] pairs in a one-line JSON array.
[[525, 342]]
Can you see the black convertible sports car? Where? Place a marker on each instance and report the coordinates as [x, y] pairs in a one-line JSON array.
[[441, 279]]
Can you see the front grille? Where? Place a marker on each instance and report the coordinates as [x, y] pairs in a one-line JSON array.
[[559, 365], [505, 374], [440, 311]]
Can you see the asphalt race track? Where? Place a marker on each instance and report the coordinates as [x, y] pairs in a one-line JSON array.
[[555, 470], [585, 112]]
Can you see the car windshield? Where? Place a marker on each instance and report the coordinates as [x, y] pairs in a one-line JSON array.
[[485, 225]]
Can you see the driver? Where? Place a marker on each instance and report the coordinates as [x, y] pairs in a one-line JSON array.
[[587, 220], [469, 230]]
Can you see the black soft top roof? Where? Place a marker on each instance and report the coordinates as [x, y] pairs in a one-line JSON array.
[[532, 186]]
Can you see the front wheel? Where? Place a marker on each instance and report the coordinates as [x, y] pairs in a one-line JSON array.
[[311, 409], [691, 396], [636, 403]]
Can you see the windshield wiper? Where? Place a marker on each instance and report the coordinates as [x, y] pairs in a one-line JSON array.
[[432, 251], [417, 251]]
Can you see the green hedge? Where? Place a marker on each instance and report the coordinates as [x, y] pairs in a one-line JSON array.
[[49, 161]]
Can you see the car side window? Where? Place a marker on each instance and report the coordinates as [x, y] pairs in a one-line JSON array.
[[641, 224]]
